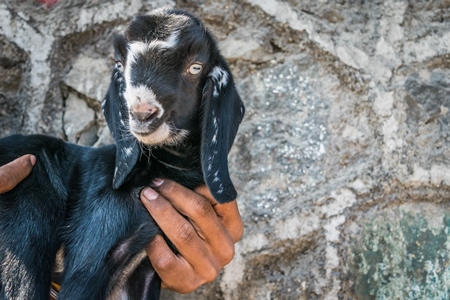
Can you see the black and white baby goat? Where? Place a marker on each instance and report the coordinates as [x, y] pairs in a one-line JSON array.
[[173, 111]]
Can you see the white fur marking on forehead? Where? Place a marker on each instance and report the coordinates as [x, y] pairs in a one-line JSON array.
[[170, 42], [141, 93], [134, 50], [138, 47]]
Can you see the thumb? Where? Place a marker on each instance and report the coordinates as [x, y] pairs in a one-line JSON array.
[[14, 172]]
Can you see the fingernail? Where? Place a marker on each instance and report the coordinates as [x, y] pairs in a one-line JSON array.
[[33, 159], [157, 182], [149, 194]]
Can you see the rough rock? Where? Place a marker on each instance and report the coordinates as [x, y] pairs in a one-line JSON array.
[[104, 137], [342, 162], [90, 77], [400, 253], [78, 118], [14, 65]]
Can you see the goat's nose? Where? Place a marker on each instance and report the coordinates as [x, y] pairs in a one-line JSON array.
[[144, 113]]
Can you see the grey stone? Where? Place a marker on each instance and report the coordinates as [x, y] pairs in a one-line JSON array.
[[90, 77], [104, 137], [431, 95], [88, 137], [78, 118], [243, 46], [14, 66], [400, 253]]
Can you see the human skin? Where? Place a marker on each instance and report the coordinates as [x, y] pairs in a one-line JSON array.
[[16, 171], [203, 231]]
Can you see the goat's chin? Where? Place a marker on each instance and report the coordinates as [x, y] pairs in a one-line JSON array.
[[163, 135]]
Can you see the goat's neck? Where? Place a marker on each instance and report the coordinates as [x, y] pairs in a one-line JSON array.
[[183, 157]]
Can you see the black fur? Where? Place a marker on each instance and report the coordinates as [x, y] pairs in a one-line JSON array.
[[86, 200]]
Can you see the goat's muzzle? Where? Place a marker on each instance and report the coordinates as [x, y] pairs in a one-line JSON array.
[[144, 113]]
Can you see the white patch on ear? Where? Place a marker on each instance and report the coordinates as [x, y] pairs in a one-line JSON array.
[[216, 177], [216, 128], [127, 151], [220, 190], [216, 92], [220, 75]]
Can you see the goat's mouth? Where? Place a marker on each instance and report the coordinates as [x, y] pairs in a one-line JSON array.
[[158, 132], [149, 133], [154, 137], [146, 128]]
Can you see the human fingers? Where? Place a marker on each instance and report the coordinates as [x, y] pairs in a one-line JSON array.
[[16, 171], [227, 212], [204, 219], [194, 264], [175, 272]]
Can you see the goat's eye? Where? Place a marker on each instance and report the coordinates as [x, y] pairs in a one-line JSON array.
[[118, 65], [194, 69]]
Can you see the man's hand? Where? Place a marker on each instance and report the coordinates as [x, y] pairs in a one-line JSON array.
[[16, 171], [203, 231]]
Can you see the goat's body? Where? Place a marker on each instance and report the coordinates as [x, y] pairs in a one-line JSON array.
[[69, 202], [173, 111]]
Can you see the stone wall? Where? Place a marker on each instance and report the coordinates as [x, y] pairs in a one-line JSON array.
[[342, 162]]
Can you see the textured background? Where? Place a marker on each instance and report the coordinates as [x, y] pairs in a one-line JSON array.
[[342, 161]]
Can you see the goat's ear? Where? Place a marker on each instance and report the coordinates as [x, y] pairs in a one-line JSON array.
[[115, 111], [120, 48], [223, 111]]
